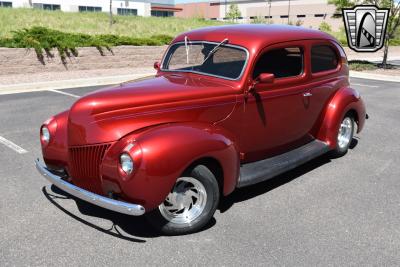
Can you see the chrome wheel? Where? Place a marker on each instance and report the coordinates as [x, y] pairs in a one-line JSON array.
[[185, 202], [345, 133]]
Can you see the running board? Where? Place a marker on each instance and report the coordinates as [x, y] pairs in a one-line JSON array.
[[255, 172]]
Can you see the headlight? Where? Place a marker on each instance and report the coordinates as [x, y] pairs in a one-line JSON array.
[[45, 134], [126, 163]]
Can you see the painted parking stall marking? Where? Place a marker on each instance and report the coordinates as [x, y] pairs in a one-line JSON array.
[[13, 146], [63, 93], [365, 85]]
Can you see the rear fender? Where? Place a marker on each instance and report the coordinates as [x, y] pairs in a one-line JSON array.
[[345, 100], [166, 152]]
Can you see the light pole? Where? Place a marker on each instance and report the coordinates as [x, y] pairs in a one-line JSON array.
[[288, 13], [269, 11]]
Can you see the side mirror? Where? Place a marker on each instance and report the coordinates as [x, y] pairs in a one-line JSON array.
[[266, 78], [156, 65]]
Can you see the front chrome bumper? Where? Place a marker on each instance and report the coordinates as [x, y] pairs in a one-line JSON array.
[[95, 199]]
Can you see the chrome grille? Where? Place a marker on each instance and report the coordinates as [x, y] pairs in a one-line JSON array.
[[85, 166]]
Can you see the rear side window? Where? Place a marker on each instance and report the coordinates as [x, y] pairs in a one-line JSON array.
[[282, 62], [323, 58]]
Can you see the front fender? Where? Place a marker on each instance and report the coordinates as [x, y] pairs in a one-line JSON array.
[[55, 153], [345, 99], [166, 151]]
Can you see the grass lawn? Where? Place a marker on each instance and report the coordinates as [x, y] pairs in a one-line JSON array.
[[360, 65], [12, 19]]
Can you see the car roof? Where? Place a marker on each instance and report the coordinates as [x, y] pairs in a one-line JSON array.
[[253, 35]]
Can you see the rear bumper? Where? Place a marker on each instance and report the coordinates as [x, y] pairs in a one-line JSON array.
[[95, 199]]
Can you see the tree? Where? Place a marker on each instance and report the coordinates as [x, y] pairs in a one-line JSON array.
[[393, 23], [234, 12]]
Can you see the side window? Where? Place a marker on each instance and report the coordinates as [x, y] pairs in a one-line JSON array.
[[323, 58], [282, 62]]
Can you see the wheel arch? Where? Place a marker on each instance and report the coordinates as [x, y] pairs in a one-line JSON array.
[[213, 165], [167, 151], [346, 100]]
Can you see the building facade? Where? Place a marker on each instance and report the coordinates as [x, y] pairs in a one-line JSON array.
[[308, 13], [163, 8]]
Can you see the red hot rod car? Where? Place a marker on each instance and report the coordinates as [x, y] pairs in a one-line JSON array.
[[229, 107]]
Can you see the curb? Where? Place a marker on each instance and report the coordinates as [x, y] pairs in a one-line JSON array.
[[371, 76], [62, 84]]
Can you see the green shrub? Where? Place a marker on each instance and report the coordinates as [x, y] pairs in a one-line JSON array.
[[43, 39], [325, 27]]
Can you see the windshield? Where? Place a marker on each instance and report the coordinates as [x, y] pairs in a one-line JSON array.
[[226, 61]]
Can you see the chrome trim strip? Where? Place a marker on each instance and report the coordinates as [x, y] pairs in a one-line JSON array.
[[207, 74], [95, 199]]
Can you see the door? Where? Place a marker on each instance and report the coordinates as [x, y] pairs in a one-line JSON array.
[[274, 119], [325, 65]]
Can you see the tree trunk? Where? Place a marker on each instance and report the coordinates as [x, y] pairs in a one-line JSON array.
[[111, 15], [385, 53]]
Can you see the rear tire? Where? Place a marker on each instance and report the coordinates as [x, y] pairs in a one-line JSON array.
[[344, 137], [190, 205]]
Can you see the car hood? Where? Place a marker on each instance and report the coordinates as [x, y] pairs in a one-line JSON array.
[[111, 113]]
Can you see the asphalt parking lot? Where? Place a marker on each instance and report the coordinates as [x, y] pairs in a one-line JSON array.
[[338, 212]]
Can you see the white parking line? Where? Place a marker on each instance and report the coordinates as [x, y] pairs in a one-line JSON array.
[[13, 146], [63, 93], [365, 85]]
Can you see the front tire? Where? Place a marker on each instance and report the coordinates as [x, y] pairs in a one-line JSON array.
[[190, 205], [344, 137]]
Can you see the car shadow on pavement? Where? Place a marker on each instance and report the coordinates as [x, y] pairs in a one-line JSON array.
[[132, 227], [245, 193]]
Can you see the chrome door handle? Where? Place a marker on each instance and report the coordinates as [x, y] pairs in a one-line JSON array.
[[307, 94]]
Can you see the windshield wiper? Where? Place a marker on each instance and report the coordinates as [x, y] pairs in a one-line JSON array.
[[187, 49], [215, 50]]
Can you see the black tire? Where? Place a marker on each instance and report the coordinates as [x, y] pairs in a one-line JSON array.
[[203, 175], [342, 149]]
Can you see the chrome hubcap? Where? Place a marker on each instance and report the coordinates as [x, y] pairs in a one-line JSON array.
[[345, 130], [185, 202]]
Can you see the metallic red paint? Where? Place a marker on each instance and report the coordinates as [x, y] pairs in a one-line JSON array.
[[176, 119], [55, 153]]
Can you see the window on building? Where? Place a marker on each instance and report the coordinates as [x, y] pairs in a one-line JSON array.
[[301, 16], [5, 4], [160, 13], [319, 15], [127, 11], [284, 16], [282, 62], [323, 58], [268, 17], [46, 6], [89, 9]]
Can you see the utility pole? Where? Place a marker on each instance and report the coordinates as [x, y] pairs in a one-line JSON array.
[[226, 6], [111, 15], [288, 13], [269, 11]]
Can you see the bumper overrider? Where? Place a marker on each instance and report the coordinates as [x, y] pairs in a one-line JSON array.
[[95, 199]]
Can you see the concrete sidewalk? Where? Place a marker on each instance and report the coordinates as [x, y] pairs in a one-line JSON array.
[[394, 54]]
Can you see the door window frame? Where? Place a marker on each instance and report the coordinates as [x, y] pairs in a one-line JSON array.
[[283, 81], [338, 57]]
